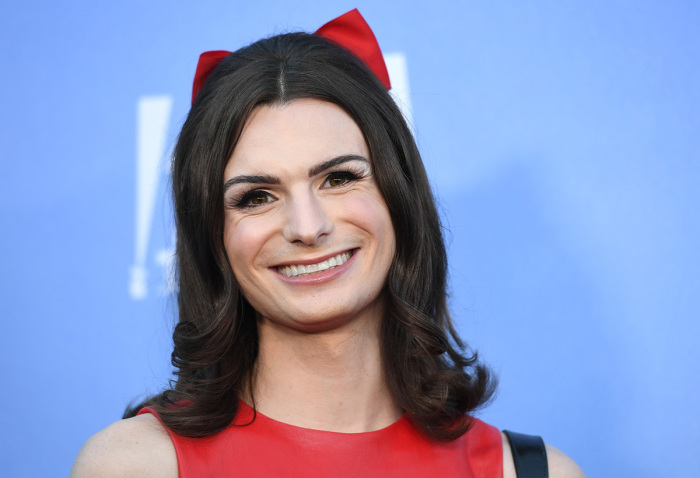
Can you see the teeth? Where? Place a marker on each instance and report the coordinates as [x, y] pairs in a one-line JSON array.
[[298, 270]]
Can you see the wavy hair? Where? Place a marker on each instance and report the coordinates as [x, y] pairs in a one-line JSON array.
[[428, 372]]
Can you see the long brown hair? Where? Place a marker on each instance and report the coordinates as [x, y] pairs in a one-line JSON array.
[[216, 342]]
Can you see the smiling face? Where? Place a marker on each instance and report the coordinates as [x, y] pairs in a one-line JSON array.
[[307, 232]]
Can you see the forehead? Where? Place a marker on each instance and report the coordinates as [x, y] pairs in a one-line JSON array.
[[299, 133]]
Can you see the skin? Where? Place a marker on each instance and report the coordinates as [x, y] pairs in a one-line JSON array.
[[298, 189], [319, 339]]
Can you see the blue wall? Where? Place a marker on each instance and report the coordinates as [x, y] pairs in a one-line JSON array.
[[562, 139]]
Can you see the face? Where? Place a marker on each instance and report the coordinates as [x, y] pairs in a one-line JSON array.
[[307, 232]]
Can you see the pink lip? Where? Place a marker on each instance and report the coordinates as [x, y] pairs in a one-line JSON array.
[[318, 277], [310, 261]]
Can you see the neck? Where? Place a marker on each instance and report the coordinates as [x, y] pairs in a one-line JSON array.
[[332, 380]]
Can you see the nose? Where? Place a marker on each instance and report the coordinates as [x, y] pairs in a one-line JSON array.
[[307, 221]]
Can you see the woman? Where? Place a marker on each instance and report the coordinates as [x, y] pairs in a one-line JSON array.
[[314, 337]]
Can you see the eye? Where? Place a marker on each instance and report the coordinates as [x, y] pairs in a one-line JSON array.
[[340, 178], [251, 199], [256, 198]]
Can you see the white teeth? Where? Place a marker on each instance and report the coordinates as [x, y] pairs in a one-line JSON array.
[[297, 270]]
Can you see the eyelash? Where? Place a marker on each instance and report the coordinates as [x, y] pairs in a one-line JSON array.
[[244, 201], [348, 176]]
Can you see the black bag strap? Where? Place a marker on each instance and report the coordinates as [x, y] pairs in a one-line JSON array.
[[529, 455]]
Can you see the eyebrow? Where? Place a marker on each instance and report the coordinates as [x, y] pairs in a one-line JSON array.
[[313, 171], [319, 168], [266, 179]]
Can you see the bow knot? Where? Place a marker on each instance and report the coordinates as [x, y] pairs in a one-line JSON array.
[[349, 31]]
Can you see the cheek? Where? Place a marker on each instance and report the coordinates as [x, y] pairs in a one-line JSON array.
[[244, 241], [370, 214]]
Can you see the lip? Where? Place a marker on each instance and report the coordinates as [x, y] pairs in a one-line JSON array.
[[316, 260], [318, 277]]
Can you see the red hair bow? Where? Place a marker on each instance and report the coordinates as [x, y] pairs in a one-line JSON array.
[[349, 31]]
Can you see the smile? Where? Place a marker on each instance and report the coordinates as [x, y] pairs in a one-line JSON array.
[[300, 270]]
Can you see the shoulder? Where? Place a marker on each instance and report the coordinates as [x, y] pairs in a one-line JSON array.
[[559, 464], [135, 447]]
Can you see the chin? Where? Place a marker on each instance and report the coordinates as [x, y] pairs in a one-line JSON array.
[[328, 320]]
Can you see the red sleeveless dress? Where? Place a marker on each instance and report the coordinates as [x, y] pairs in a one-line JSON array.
[[268, 448]]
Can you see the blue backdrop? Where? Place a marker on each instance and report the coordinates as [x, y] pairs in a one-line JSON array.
[[562, 140]]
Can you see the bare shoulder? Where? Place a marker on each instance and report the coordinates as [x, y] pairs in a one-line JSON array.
[[135, 447], [559, 464]]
